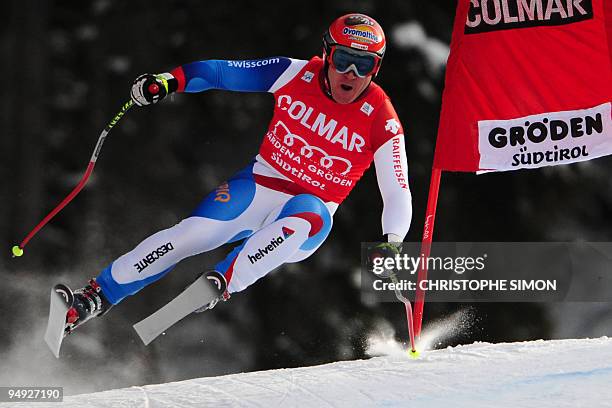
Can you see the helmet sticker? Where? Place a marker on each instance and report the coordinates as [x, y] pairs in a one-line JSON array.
[[362, 33], [357, 19], [360, 46]]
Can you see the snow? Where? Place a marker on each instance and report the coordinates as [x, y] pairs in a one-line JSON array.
[[412, 34], [555, 373]]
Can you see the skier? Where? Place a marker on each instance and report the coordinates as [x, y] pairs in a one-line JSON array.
[[330, 122]]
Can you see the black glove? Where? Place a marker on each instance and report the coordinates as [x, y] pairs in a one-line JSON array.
[[148, 88]]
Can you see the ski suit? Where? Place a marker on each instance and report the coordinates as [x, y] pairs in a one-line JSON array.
[[281, 205]]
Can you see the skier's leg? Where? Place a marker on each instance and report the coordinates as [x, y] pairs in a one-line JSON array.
[[311, 246], [300, 227], [228, 214]]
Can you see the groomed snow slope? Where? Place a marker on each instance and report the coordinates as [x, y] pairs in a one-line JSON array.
[[561, 373]]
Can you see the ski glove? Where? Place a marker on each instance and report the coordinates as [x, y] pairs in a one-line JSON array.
[[386, 250], [148, 88]]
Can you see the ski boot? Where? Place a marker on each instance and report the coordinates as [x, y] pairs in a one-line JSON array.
[[218, 280], [88, 303]]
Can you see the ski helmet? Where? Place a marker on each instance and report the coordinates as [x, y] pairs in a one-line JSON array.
[[357, 34]]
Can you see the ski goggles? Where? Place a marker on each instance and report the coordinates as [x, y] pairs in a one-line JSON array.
[[361, 63]]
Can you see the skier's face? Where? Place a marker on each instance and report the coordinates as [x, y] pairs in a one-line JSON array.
[[345, 88]]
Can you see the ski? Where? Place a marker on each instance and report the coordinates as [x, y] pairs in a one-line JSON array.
[[60, 302], [196, 296]]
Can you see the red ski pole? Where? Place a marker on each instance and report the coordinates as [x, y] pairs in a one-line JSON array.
[[18, 249], [430, 217]]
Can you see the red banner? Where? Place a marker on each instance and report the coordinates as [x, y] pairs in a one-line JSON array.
[[528, 84], [608, 14]]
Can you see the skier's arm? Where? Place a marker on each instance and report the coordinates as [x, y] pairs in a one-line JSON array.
[[392, 173], [262, 75]]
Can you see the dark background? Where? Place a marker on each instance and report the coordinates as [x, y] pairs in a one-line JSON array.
[[67, 68]]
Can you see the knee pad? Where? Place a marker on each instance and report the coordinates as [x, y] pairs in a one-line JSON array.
[[313, 210]]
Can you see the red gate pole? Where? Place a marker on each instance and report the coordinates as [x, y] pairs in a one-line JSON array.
[[430, 217]]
